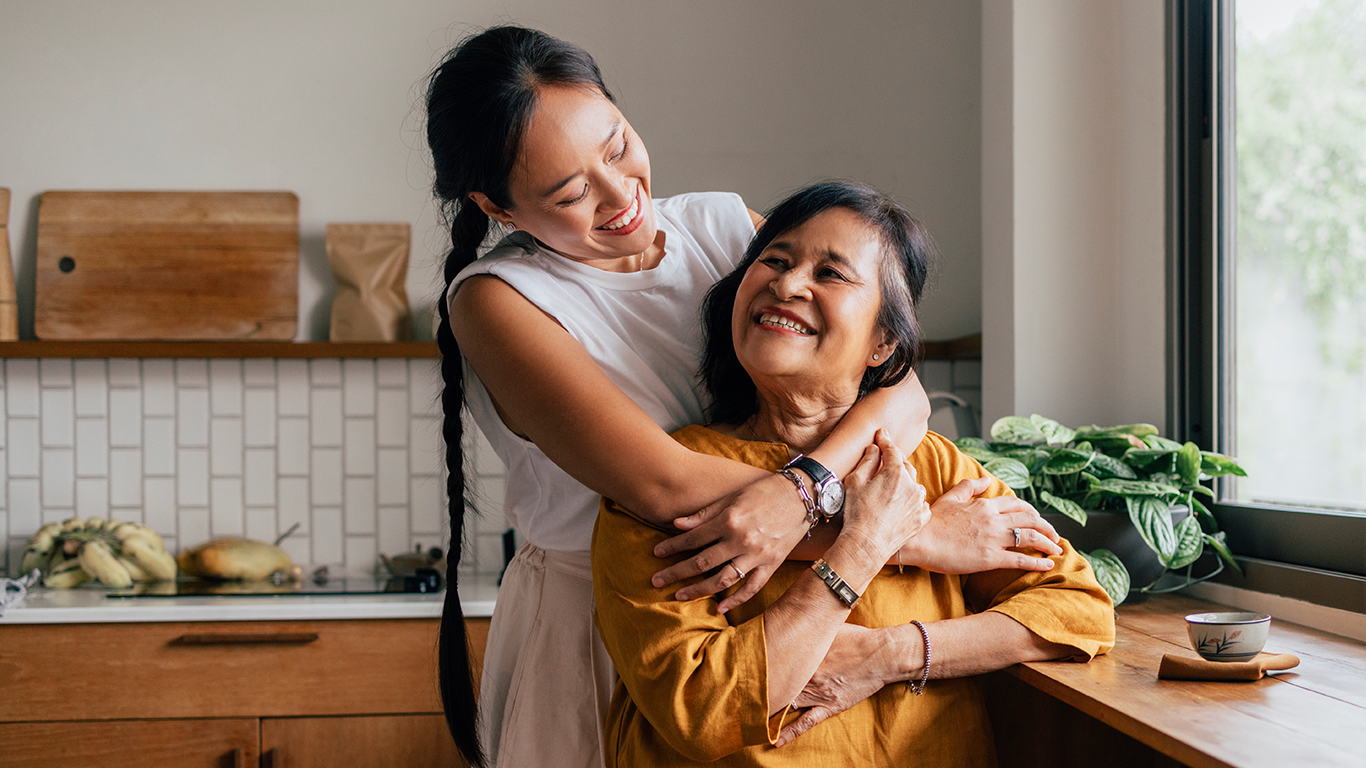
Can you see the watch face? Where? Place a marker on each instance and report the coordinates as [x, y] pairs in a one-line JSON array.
[[832, 499]]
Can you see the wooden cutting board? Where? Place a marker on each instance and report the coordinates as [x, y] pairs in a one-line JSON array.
[[167, 265]]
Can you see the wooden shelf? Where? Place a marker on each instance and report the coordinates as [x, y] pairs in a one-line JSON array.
[[218, 349]]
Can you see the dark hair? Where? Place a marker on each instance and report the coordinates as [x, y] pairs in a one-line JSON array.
[[479, 102], [907, 251]]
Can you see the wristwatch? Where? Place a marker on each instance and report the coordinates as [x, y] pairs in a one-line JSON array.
[[829, 489]]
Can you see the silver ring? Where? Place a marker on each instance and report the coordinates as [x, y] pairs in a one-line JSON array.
[[1017, 536], [732, 564]]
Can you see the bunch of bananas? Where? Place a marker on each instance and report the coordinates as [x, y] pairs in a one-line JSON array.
[[114, 552]]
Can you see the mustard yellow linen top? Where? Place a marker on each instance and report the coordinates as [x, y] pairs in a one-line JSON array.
[[694, 684]]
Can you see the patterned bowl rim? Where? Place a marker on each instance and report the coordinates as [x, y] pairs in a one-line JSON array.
[[1227, 618]]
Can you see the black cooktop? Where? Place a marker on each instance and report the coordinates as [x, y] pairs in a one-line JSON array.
[[425, 581]]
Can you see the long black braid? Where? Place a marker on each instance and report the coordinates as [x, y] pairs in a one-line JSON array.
[[479, 101]]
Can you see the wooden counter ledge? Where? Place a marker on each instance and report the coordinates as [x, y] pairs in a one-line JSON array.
[[1118, 713]]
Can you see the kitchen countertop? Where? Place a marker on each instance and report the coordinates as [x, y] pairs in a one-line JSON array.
[[90, 605]]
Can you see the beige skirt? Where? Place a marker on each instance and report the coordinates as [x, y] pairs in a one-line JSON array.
[[547, 678]]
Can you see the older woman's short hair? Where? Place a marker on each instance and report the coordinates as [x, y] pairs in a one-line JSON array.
[[907, 252]]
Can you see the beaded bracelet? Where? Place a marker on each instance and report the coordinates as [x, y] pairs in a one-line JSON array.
[[918, 686], [812, 515]]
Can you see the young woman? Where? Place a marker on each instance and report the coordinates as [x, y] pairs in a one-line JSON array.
[[581, 331]]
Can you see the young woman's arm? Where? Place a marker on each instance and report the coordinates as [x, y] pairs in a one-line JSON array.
[[549, 390]]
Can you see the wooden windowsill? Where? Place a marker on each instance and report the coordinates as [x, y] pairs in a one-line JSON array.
[[1313, 715], [217, 349]]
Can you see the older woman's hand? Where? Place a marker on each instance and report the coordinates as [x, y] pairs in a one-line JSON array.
[[884, 505], [859, 663], [970, 534]]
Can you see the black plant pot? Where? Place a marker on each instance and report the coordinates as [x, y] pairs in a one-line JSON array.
[[1112, 530]]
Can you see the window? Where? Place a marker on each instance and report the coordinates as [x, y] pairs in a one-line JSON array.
[[1267, 203]]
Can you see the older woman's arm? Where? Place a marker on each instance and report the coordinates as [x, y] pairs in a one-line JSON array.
[[709, 688], [1019, 616]]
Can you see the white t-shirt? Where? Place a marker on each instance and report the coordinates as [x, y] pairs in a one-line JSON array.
[[643, 329]]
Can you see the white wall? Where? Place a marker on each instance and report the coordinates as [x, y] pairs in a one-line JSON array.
[[1073, 217], [323, 97]]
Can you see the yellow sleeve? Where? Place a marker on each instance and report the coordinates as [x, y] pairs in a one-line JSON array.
[[700, 682], [1065, 605]]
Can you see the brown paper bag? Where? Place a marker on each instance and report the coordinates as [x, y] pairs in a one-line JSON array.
[[9, 307], [370, 262]]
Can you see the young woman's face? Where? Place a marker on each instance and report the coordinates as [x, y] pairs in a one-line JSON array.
[[582, 185], [806, 310]]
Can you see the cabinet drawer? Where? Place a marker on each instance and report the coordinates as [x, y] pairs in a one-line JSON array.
[[413, 741], [220, 669], [131, 744]]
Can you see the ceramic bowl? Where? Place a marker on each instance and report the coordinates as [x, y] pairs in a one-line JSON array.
[[1230, 636]]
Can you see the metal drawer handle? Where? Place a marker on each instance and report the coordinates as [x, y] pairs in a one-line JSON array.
[[248, 638]]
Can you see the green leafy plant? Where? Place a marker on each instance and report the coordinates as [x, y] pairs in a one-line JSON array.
[[1126, 468]]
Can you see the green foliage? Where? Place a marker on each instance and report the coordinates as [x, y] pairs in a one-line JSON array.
[[1301, 161], [1129, 467]]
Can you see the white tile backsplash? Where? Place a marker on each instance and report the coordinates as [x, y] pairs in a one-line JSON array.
[[259, 479], [360, 446], [59, 477], [225, 387], [58, 417], [294, 448], [225, 446], [125, 417], [159, 446], [259, 372], [21, 387], [159, 505], [125, 477], [192, 420], [92, 388], [22, 447], [326, 486], [358, 387], [260, 419], [92, 497], [125, 372], [227, 517], [326, 418], [359, 505], [350, 449], [92, 448], [158, 387], [56, 372]]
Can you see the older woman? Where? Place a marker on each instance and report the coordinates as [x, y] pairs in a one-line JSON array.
[[820, 312]]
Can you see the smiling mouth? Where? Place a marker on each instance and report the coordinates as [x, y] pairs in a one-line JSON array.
[[625, 218], [787, 324]]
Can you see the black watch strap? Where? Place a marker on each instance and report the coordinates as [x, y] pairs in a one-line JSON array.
[[819, 474]]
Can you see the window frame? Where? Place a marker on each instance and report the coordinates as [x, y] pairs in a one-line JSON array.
[[1310, 554]]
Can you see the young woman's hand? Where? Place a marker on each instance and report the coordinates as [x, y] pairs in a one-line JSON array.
[[748, 533], [970, 534]]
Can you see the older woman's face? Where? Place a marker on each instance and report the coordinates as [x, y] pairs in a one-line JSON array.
[[808, 306]]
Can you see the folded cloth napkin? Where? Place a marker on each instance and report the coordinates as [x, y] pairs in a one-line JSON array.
[[12, 590], [1175, 667]]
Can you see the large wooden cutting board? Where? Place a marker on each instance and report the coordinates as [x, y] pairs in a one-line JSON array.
[[167, 265]]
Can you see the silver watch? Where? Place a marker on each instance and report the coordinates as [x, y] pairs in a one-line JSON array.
[[829, 489]]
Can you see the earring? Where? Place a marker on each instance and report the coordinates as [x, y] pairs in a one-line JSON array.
[[512, 226], [874, 355]]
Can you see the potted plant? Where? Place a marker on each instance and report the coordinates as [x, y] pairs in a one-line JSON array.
[[1151, 483]]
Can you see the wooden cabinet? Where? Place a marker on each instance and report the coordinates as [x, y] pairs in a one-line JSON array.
[[294, 693], [132, 743], [413, 741]]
